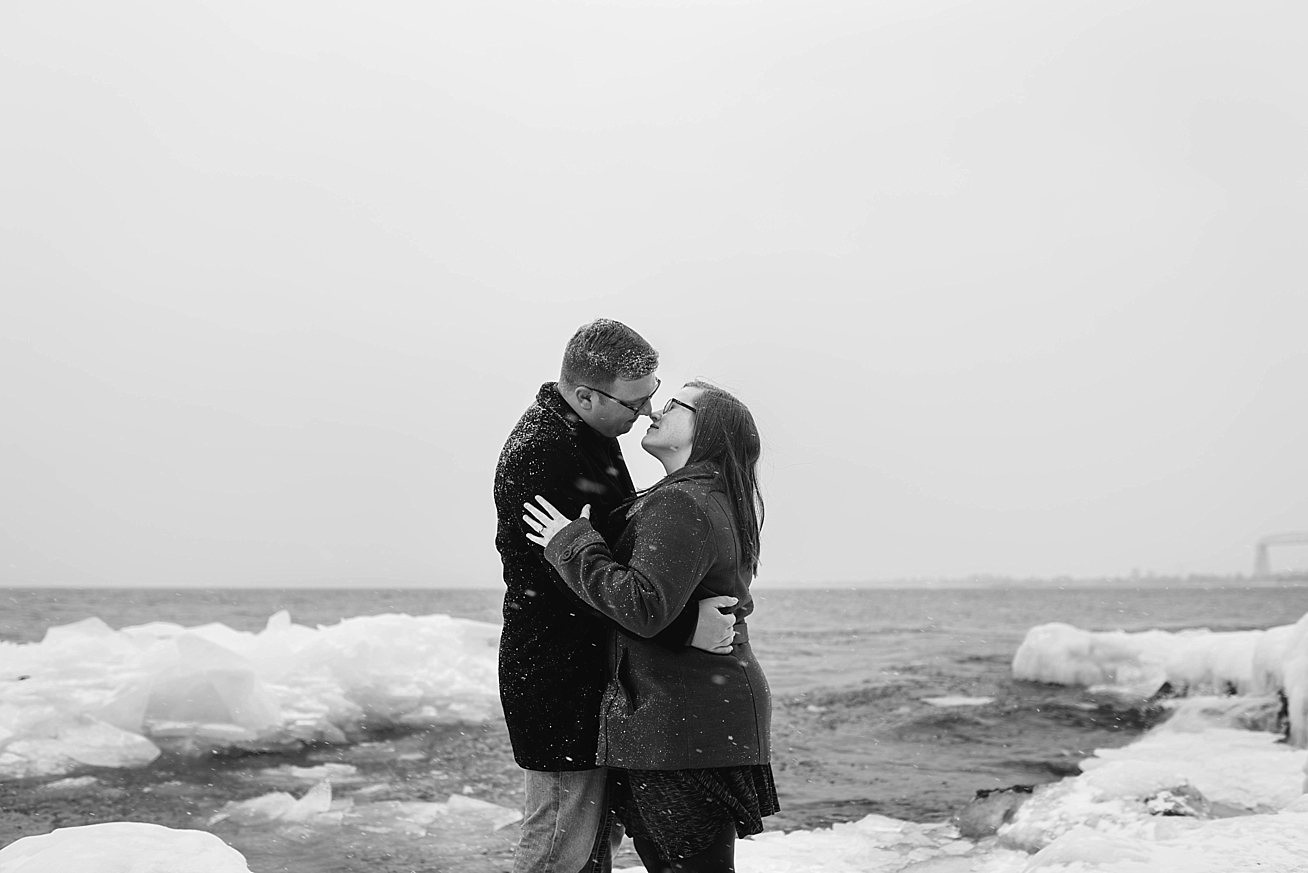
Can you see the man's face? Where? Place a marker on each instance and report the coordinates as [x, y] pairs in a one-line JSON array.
[[615, 408]]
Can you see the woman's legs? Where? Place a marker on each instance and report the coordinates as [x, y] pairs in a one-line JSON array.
[[719, 857]]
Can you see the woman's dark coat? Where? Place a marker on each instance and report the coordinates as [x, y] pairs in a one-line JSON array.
[[667, 710], [552, 648]]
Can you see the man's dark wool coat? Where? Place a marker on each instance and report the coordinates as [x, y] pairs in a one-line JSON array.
[[553, 646]]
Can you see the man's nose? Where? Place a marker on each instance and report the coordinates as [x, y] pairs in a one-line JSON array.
[[654, 414]]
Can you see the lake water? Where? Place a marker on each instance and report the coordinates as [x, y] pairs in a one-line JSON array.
[[853, 674]]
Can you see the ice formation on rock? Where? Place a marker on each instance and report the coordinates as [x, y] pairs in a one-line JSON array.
[[1255, 662]]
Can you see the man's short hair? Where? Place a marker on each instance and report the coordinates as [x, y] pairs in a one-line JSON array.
[[604, 351]]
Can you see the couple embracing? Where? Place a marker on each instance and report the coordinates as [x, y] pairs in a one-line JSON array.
[[632, 697]]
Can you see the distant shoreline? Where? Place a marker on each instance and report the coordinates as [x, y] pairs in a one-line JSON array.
[[1199, 582]]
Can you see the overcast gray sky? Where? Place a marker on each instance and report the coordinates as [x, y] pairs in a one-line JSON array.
[[1013, 288]]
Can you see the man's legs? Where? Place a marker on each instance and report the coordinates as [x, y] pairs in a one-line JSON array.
[[562, 818]]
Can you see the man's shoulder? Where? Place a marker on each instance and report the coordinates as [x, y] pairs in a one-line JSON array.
[[543, 437], [539, 429]]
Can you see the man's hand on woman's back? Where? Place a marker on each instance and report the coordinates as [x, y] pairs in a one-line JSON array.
[[715, 631]]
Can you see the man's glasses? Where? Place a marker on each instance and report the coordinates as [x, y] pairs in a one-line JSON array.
[[635, 407], [672, 401]]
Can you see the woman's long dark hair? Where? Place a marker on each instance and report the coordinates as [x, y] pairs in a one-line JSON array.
[[727, 438]]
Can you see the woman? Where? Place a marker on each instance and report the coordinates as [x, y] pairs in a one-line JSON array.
[[687, 732]]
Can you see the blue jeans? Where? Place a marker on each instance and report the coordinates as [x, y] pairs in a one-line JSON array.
[[564, 820]]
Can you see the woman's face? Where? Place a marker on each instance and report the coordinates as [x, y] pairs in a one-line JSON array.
[[672, 429]]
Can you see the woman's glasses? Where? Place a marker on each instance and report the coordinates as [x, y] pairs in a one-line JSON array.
[[672, 401]]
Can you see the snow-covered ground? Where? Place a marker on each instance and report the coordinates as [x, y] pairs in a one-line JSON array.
[[1200, 793]]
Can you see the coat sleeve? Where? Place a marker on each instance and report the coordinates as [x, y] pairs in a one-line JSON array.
[[533, 470], [672, 552]]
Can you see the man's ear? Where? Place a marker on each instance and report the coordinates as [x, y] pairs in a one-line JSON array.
[[585, 397]]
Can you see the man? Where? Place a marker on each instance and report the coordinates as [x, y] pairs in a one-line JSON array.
[[553, 647]]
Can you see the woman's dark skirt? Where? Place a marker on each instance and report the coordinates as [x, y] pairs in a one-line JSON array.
[[682, 811]]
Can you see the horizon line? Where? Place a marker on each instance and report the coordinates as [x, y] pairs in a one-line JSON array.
[[1288, 579]]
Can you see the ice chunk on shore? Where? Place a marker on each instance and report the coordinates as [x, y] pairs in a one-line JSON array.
[[1235, 771], [316, 808], [958, 701], [1271, 843], [874, 843], [1098, 821], [1139, 663], [74, 742], [278, 806], [122, 847], [287, 774], [1294, 678], [209, 683], [1102, 820], [1192, 662], [87, 694], [418, 817]]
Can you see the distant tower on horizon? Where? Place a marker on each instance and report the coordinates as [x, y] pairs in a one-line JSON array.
[[1262, 558]]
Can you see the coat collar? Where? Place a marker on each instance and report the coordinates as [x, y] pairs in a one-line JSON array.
[[703, 473], [549, 398]]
